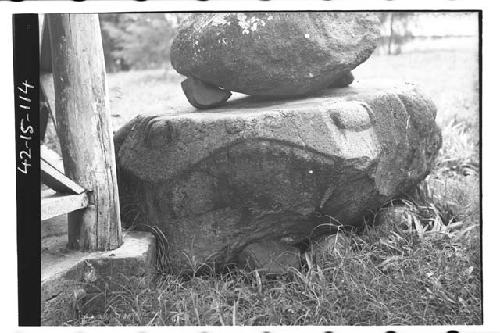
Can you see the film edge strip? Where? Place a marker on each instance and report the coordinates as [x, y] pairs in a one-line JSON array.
[[27, 119]]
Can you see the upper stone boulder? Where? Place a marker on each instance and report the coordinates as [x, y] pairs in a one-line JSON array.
[[273, 54]]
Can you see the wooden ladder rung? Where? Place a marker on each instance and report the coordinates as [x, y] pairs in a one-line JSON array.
[[52, 174], [55, 204]]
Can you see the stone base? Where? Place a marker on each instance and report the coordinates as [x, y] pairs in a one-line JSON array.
[[73, 282]]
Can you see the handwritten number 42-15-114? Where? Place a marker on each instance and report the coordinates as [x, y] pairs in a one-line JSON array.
[[26, 130]]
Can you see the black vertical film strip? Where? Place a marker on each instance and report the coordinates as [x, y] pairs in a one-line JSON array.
[[27, 122]]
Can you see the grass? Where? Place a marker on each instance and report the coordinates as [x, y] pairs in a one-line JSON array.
[[366, 279], [421, 267]]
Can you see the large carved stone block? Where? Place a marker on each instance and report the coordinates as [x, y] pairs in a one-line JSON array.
[[259, 178]]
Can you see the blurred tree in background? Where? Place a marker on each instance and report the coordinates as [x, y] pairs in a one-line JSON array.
[[143, 40], [398, 29], [137, 41]]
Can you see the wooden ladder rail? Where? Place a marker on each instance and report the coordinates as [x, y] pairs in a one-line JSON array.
[[64, 195]]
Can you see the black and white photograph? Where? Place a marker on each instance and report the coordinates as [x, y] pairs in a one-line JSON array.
[[250, 168]]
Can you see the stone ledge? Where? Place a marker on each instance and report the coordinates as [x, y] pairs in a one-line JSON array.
[[72, 282]]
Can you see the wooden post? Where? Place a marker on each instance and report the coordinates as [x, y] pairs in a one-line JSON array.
[[45, 52], [45, 67], [84, 128]]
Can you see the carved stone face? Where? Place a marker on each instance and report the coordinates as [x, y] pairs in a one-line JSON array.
[[273, 172]]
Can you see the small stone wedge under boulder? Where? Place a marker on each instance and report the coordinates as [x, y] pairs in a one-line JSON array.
[[202, 95], [259, 178], [274, 54]]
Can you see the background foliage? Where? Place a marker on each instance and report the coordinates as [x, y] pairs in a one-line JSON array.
[[137, 41], [142, 40]]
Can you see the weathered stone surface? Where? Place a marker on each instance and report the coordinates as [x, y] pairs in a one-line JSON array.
[[271, 256], [273, 171], [343, 80], [203, 96], [398, 214], [273, 53]]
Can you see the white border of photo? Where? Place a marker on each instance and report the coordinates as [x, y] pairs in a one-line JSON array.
[[490, 139]]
